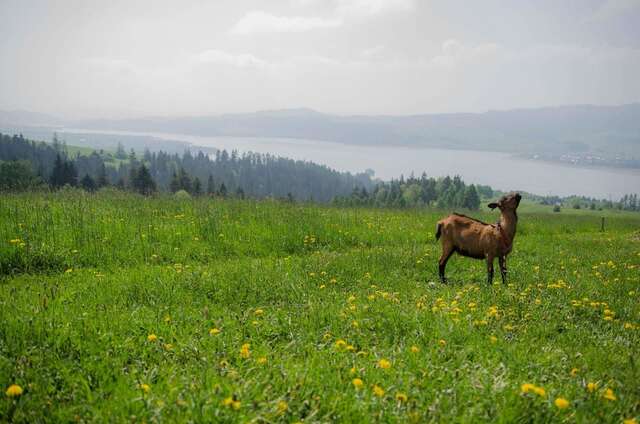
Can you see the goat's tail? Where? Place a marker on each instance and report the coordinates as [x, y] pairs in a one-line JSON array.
[[438, 230]]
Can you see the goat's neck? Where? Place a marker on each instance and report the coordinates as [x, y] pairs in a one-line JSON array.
[[508, 221]]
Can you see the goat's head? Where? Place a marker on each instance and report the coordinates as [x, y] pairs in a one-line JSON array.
[[509, 202]]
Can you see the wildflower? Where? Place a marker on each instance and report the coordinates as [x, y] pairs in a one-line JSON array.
[[244, 351], [145, 387], [415, 349], [384, 364], [357, 383], [214, 331], [168, 346], [539, 391], [282, 407], [527, 388], [591, 387], [442, 342], [340, 344], [69, 270], [167, 318], [152, 337], [262, 360], [14, 391], [609, 395], [493, 339], [401, 397], [378, 391], [574, 372], [258, 312], [630, 421], [561, 403], [231, 403]]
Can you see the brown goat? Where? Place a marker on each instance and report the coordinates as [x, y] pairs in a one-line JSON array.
[[476, 239]]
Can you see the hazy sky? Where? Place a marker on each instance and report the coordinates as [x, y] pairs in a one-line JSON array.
[[131, 58]]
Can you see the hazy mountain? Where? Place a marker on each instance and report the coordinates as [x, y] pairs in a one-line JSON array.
[[607, 130], [22, 117]]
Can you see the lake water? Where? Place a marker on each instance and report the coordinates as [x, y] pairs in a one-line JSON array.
[[499, 170]]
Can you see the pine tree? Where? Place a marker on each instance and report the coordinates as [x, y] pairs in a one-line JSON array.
[[88, 184], [103, 180], [211, 188], [143, 182], [223, 190], [174, 185], [197, 187]]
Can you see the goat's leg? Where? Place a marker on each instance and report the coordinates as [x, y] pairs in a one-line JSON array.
[[447, 251], [490, 269], [502, 260]]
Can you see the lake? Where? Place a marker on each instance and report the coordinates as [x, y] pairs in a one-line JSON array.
[[499, 170]]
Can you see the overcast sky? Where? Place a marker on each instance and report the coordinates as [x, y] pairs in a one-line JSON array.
[[132, 58]]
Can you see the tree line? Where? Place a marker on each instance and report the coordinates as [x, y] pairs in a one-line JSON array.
[[444, 192], [28, 163]]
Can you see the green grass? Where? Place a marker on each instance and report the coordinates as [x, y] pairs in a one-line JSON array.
[[87, 278]]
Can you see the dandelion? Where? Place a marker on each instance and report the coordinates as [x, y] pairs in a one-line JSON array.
[[561, 403], [214, 331], [493, 339], [258, 312], [527, 388], [244, 351], [282, 407], [69, 270], [442, 342], [591, 387], [230, 402], [262, 360], [539, 391], [13, 391], [340, 344], [401, 397], [384, 364], [630, 421], [152, 337], [574, 372], [357, 383], [609, 395], [415, 349], [378, 391], [145, 387]]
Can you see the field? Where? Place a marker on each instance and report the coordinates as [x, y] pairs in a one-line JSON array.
[[115, 307]]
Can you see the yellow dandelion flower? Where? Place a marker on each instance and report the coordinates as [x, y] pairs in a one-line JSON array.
[[340, 344], [244, 351], [527, 388], [401, 397], [574, 372], [415, 349], [258, 312], [378, 391], [262, 360], [357, 383], [539, 391], [214, 331], [591, 387], [145, 387], [630, 421], [13, 391], [282, 407], [493, 339], [609, 395], [442, 342], [561, 403], [384, 364], [227, 401], [152, 337]]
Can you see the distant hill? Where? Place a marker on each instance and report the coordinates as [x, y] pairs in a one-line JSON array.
[[606, 130], [23, 117]]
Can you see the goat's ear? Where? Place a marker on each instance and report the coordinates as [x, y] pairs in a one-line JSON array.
[[492, 205]]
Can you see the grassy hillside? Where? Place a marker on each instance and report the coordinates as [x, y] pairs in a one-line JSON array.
[[115, 307]]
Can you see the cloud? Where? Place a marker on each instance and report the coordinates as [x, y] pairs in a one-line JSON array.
[[613, 9], [258, 21], [220, 57], [369, 8], [262, 22], [455, 52]]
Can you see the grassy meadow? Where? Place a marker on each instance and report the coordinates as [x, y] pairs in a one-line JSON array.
[[120, 308]]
